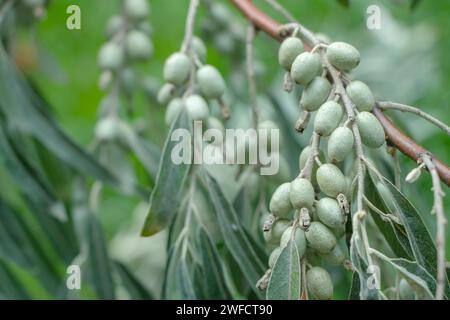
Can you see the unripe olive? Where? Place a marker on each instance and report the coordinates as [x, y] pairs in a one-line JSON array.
[[289, 50], [336, 257], [320, 238], [280, 204], [197, 107], [138, 45], [361, 95], [327, 118], [110, 56], [319, 284], [331, 180], [274, 256], [199, 48], [340, 144], [172, 111], [405, 290], [305, 67], [210, 82], [136, 9], [315, 94], [372, 133], [115, 25], [299, 238], [273, 236], [343, 56], [177, 68], [339, 232], [166, 93], [107, 129], [302, 193], [329, 212], [313, 257]]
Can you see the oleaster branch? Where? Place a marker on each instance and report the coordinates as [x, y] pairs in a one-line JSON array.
[[394, 136]]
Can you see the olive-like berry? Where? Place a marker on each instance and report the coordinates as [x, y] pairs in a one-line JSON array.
[[305, 67], [166, 93], [336, 257], [289, 50], [328, 118], [199, 48], [197, 107], [329, 212], [210, 82], [274, 256], [405, 290], [138, 45], [172, 111], [319, 284], [107, 129], [177, 68], [320, 238], [299, 238], [343, 56], [273, 236], [361, 95], [111, 56], [302, 193], [115, 25], [136, 9], [339, 232], [372, 133], [280, 203], [331, 180], [315, 94], [340, 144]]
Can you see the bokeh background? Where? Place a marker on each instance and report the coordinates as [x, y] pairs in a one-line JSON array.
[[405, 61]]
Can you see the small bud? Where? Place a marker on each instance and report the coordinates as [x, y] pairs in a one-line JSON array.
[[413, 175]]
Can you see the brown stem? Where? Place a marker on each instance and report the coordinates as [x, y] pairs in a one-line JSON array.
[[395, 137]]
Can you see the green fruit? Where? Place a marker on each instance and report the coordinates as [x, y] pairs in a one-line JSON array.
[[172, 111], [343, 56], [110, 56], [361, 95], [315, 94], [331, 180], [313, 257], [199, 48], [299, 238], [339, 232], [280, 203], [329, 212], [115, 25], [319, 284], [166, 93], [372, 133], [405, 290], [340, 144], [107, 129], [305, 67], [197, 108], [336, 257], [273, 236], [302, 193], [136, 9], [177, 68], [210, 82], [327, 118], [289, 50], [138, 45], [320, 238], [274, 256]]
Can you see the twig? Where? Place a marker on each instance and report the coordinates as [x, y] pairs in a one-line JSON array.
[[190, 21], [389, 105], [441, 221]]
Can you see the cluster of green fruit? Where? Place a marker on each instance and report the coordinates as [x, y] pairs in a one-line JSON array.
[[322, 198], [191, 84]]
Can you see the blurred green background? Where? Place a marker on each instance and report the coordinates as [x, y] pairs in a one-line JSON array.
[[405, 61]]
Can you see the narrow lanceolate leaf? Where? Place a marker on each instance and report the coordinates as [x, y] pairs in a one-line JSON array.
[[167, 193], [134, 288], [212, 278], [285, 279], [414, 273], [184, 280], [236, 239], [421, 242]]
